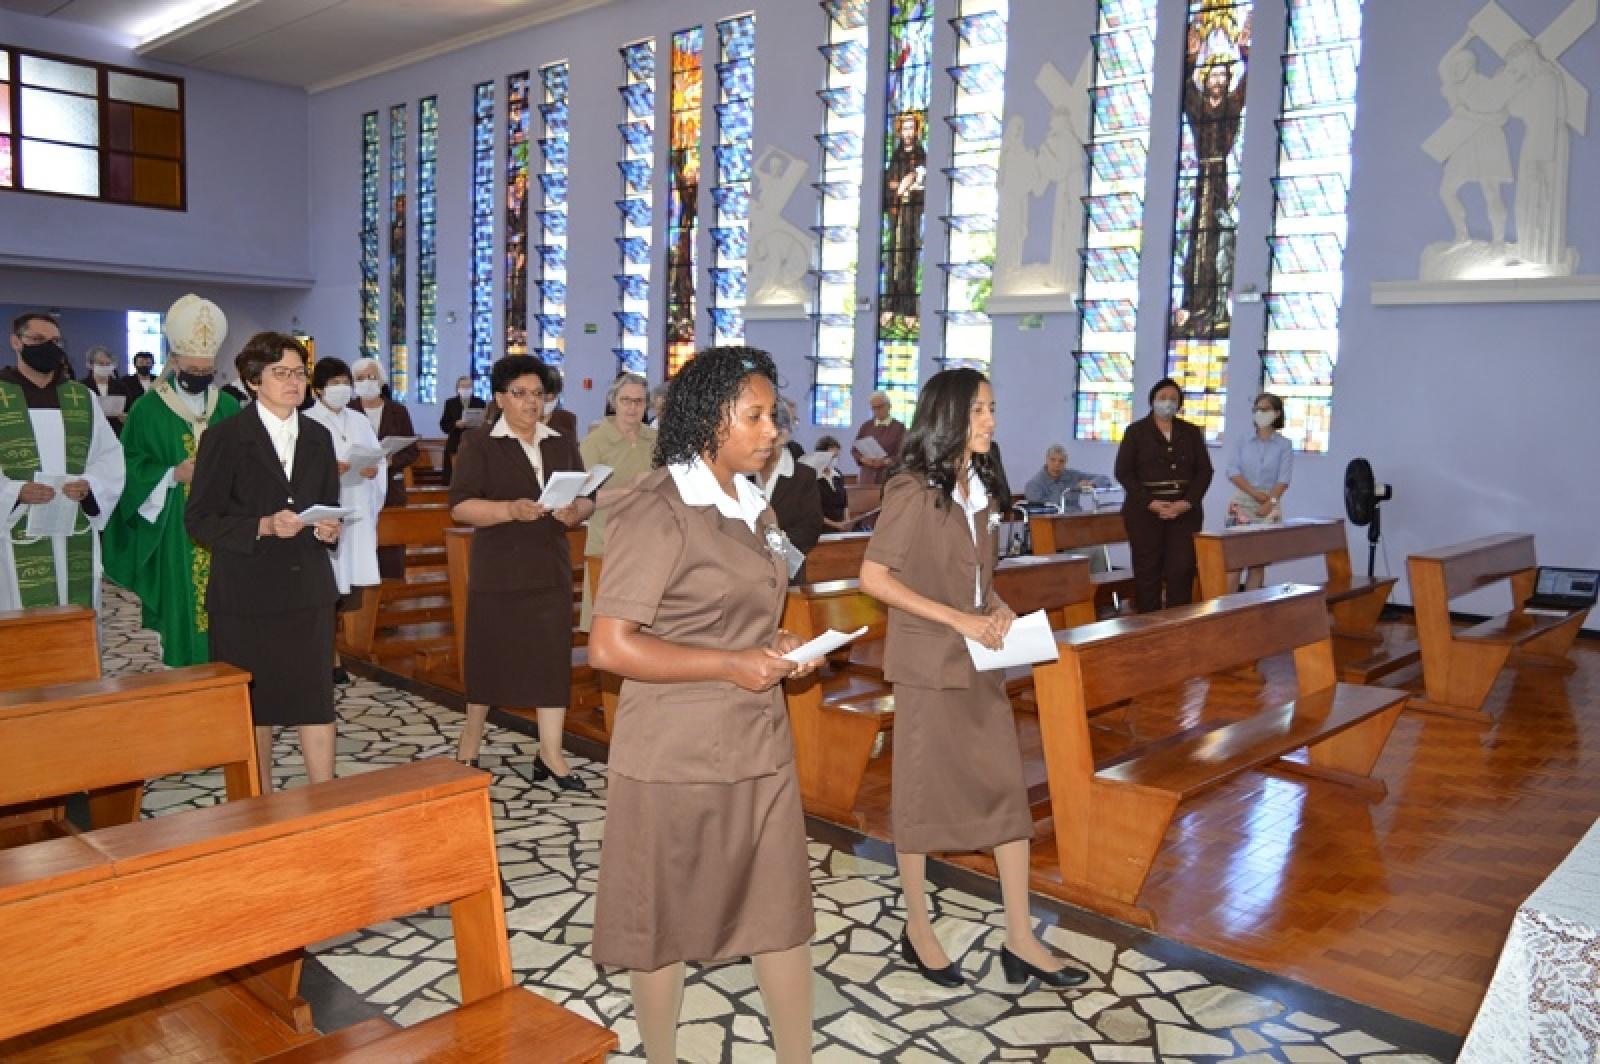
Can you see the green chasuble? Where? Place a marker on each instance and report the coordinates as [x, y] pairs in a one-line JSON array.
[[34, 559], [157, 560]]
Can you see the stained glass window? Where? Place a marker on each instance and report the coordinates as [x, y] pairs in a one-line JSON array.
[[7, 171], [730, 235], [638, 128], [683, 195], [1118, 149], [1305, 281], [552, 247], [905, 171], [428, 250], [371, 298], [1215, 68], [519, 120], [980, 81], [844, 107], [399, 353], [482, 276]]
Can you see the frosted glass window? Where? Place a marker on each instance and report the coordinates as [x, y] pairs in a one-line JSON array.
[[5, 108], [60, 168], [56, 116], [142, 90], [5, 65], [50, 74]]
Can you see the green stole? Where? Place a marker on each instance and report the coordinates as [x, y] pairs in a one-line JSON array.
[[35, 559]]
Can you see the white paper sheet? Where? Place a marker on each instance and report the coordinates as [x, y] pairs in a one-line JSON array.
[[113, 405], [867, 447], [56, 518], [312, 514], [393, 445], [360, 459], [818, 460], [560, 489], [1029, 640], [472, 417], [824, 644]]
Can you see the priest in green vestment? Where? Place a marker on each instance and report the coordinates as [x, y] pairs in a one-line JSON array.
[[147, 549]]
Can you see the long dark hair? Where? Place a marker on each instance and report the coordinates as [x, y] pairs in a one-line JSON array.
[[938, 438], [699, 398]]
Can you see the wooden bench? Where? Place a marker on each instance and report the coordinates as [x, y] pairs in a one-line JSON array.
[[1054, 533], [1109, 822], [1355, 603], [1459, 665], [837, 556], [118, 915], [403, 616], [52, 644]]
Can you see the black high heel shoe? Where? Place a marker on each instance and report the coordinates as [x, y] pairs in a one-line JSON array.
[[948, 976], [1018, 970], [569, 782]]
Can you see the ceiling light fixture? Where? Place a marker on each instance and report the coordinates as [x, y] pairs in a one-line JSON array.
[[182, 15]]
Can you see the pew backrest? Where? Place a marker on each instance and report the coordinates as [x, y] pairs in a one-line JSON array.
[[1247, 546], [1051, 533], [1479, 563], [837, 556], [414, 526], [52, 644]]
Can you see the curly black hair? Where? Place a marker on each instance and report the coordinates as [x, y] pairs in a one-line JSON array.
[[700, 397], [937, 438]]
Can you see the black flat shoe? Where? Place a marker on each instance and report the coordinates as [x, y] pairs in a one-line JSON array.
[[340, 677], [472, 763], [569, 782], [1018, 970], [948, 976]]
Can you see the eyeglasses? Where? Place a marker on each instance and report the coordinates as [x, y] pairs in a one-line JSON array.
[[285, 374], [625, 401], [35, 338], [523, 395]]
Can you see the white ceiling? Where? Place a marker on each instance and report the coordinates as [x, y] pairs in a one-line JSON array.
[[315, 44]]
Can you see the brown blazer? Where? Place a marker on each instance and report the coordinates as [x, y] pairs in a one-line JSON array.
[[396, 421], [517, 555], [928, 548], [690, 576]]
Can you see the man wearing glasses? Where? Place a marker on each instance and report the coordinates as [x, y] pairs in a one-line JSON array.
[[61, 474]]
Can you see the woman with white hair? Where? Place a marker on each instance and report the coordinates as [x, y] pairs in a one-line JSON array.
[[103, 380], [625, 443], [388, 420]]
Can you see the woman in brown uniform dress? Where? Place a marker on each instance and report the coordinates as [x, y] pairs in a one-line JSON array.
[[1164, 470], [519, 593], [957, 776], [704, 855]]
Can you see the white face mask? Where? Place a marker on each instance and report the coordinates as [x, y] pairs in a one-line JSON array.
[[1265, 419], [464, 394], [1165, 407], [369, 389], [100, 372], [337, 396]]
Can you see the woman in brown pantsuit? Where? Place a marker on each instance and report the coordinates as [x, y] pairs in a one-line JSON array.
[[957, 778], [1164, 470], [519, 593], [704, 855]]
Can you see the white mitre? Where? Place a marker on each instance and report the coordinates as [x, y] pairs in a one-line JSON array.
[[195, 328]]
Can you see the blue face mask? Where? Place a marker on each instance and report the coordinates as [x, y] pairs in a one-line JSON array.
[[1165, 407]]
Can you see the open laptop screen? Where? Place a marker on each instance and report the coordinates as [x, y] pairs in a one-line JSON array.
[[1575, 583]]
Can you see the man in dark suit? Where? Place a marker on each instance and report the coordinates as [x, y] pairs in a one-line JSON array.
[[451, 422], [141, 380]]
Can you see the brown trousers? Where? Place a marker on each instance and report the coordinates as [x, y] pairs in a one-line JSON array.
[[1163, 558]]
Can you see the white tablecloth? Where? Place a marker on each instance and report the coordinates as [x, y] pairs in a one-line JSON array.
[[1543, 1004]]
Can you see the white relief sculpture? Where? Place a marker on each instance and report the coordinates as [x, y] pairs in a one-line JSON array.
[[780, 252], [1549, 105], [1054, 169]]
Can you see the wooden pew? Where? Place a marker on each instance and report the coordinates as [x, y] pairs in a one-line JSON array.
[[412, 614], [1053, 533], [117, 915], [837, 556], [1109, 822], [52, 644], [1459, 665], [1355, 603]]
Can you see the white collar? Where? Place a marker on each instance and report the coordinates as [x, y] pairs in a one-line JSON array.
[[784, 468], [288, 427], [885, 423], [698, 486], [977, 497], [502, 429]]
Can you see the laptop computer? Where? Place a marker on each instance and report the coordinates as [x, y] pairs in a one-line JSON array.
[[1564, 589]]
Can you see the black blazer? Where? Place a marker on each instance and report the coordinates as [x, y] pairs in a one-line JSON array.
[[396, 421], [1146, 456], [238, 481], [835, 498], [797, 505], [133, 389], [452, 414], [517, 555]]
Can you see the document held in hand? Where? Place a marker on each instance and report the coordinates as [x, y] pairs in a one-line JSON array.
[[360, 459], [312, 514], [1028, 642], [56, 518], [393, 445], [867, 447], [472, 417], [560, 489], [824, 644], [113, 405]]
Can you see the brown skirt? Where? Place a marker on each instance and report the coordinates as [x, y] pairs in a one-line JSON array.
[[290, 660], [957, 781], [519, 648], [701, 872]]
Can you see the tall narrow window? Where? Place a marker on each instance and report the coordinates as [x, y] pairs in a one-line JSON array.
[[905, 172], [482, 286], [552, 248], [683, 196], [730, 236], [980, 77], [638, 129], [1215, 65], [519, 117], [144, 334], [399, 353], [844, 107], [7, 169], [1305, 285], [371, 297], [1119, 149], [428, 250]]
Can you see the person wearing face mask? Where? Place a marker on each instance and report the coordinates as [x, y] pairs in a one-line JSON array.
[[141, 380], [452, 422], [102, 380], [557, 416], [51, 426], [1164, 471], [1259, 471], [148, 550], [388, 419]]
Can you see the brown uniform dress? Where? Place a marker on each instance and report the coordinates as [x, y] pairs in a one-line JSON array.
[[957, 782], [519, 594], [704, 855], [1150, 466]]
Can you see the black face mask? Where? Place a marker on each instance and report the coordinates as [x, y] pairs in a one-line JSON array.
[[44, 358], [194, 383], [143, 369]]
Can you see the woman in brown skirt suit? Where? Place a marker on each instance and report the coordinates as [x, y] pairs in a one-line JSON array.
[[957, 777], [519, 591], [704, 855]]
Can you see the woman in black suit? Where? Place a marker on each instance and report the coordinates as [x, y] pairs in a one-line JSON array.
[[790, 487], [451, 424], [1164, 470], [271, 592]]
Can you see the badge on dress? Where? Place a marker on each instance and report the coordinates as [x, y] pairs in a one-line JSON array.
[[995, 521]]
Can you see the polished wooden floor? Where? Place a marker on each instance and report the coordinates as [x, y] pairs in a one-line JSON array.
[[1402, 903]]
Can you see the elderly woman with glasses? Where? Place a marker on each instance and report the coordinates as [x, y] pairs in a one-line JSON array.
[[625, 443], [519, 588]]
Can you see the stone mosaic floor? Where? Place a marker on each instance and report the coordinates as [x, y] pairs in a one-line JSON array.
[[1150, 1001]]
